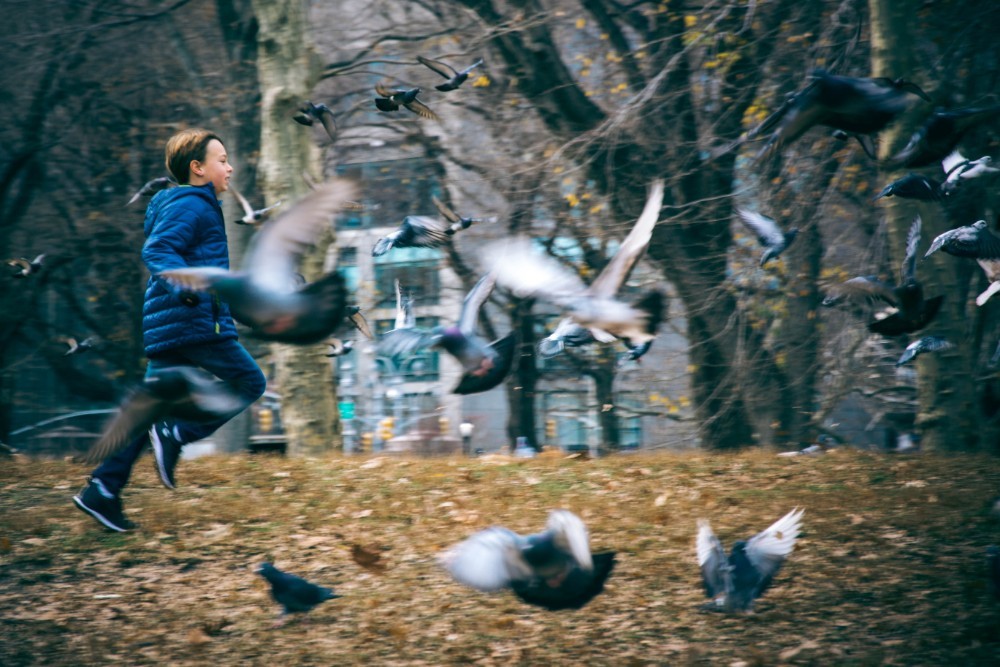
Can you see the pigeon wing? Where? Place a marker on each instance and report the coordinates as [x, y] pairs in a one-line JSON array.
[[577, 589], [422, 110], [445, 70], [617, 271], [505, 348], [768, 549], [406, 342], [474, 300], [446, 211], [716, 573], [361, 324], [488, 560], [137, 413], [909, 268], [952, 164], [766, 229], [527, 273], [247, 208]]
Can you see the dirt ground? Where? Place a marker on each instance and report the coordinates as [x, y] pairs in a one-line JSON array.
[[889, 570]]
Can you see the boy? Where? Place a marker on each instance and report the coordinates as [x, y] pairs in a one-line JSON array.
[[184, 227]]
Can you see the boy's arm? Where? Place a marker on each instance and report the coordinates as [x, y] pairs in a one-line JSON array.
[[170, 237]]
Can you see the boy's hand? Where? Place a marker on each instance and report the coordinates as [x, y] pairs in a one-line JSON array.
[[189, 299]]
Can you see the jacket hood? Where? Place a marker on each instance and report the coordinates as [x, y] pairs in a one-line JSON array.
[[165, 198]]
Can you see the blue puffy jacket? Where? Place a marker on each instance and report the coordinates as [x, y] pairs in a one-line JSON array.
[[184, 227]]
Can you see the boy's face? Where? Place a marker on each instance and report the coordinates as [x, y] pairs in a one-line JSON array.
[[216, 168]]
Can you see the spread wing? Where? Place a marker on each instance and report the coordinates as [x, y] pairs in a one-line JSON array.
[[614, 275], [505, 349], [716, 573], [909, 268], [445, 70], [768, 549], [766, 229], [473, 302], [488, 560]]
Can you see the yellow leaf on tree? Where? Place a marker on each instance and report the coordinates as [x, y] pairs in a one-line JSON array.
[[581, 23]]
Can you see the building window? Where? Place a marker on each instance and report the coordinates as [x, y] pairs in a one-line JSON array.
[[393, 189]]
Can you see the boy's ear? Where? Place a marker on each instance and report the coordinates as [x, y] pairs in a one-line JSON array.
[[196, 168]]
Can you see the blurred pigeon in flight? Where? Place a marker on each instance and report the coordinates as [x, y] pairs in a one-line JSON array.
[[390, 99], [925, 344], [735, 582], [22, 268], [568, 333], [263, 294], [420, 231], [768, 233], [553, 569], [862, 286], [294, 594], [252, 216], [957, 167], [340, 347], [150, 188], [913, 186], [455, 77], [77, 347], [178, 392], [308, 113], [458, 222], [940, 134], [976, 242]]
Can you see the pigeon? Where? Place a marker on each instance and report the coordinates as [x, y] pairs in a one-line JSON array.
[[294, 594], [22, 267], [867, 286], [956, 166], [553, 569], [252, 216], [263, 294], [939, 135], [768, 233], [455, 78], [390, 99], [976, 242], [308, 113], [857, 106], [913, 186], [925, 344], [458, 222], [912, 312], [993, 566], [734, 583], [568, 333], [419, 231], [152, 187], [340, 347], [481, 361], [529, 274], [180, 392], [77, 347]]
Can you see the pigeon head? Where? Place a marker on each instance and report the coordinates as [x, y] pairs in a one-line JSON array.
[[550, 347]]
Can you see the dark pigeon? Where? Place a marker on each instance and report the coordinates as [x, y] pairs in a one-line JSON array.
[[458, 222], [21, 267], [454, 77], [421, 231], [77, 347], [252, 216], [912, 312], [150, 188], [861, 286], [553, 569], [179, 392], [390, 99], [263, 294], [308, 114], [735, 582], [768, 233], [940, 135], [294, 594], [925, 344], [913, 186], [976, 242]]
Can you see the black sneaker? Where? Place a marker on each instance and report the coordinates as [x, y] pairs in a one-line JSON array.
[[166, 451], [107, 511]]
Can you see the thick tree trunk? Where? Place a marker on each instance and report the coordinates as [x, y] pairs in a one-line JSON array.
[[521, 383], [287, 71]]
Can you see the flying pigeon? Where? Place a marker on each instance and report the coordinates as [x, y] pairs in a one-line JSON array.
[[768, 233], [857, 106], [263, 294], [553, 569], [178, 392], [419, 231], [77, 347], [914, 186], [956, 166], [455, 78], [294, 594], [976, 242], [458, 222], [940, 134], [252, 216], [390, 99], [22, 268], [340, 347], [734, 583], [152, 187], [308, 113], [865, 286], [925, 344], [568, 333]]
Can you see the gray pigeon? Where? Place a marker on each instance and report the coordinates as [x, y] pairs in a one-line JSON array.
[[976, 242], [768, 233], [734, 583], [390, 99], [914, 186], [420, 231], [458, 222], [455, 77], [294, 594], [925, 344], [553, 569], [308, 113], [150, 188], [22, 268], [263, 294], [958, 168], [179, 392], [252, 216], [568, 333], [77, 347]]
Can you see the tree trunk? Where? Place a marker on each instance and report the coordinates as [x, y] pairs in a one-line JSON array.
[[521, 421], [287, 71]]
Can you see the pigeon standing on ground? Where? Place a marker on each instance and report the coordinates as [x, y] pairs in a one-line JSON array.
[[252, 216], [455, 77], [150, 188], [22, 267], [263, 294], [940, 135], [178, 392], [308, 113], [553, 569], [390, 99], [976, 242], [925, 344], [913, 186], [735, 582], [294, 594], [768, 233]]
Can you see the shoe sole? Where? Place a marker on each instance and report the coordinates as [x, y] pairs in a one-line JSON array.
[[97, 515], [161, 468]]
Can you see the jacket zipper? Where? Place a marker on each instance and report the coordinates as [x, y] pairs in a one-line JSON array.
[[215, 311]]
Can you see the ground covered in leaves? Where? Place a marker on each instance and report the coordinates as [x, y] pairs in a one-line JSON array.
[[889, 570]]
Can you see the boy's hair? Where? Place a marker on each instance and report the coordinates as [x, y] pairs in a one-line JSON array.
[[187, 145]]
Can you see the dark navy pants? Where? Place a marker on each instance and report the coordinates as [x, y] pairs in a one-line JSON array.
[[228, 361]]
